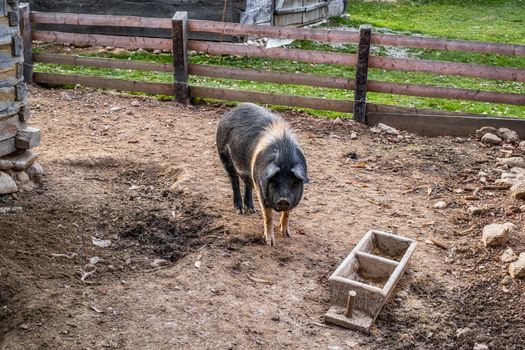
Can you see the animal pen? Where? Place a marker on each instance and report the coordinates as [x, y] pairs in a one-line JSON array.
[[424, 121]]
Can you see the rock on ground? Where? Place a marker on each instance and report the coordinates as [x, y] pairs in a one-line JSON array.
[[7, 184], [497, 234], [484, 130], [517, 268], [478, 346], [440, 205], [491, 139], [512, 162], [508, 135], [383, 128], [518, 190], [508, 256]]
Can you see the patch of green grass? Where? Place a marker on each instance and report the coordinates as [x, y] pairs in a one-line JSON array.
[[495, 20]]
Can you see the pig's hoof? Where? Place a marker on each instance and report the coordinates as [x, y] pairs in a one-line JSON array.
[[285, 231], [238, 211], [270, 240], [249, 210]]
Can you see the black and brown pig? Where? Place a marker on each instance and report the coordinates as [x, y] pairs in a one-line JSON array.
[[259, 147]]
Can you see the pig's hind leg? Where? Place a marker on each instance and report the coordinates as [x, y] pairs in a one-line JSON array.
[[227, 162], [248, 195]]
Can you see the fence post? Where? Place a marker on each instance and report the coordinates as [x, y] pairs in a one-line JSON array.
[[361, 73], [25, 32], [180, 57]]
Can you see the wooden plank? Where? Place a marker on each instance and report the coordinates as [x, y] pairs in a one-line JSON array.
[[103, 40], [104, 83], [439, 123], [329, 35], [25, 32], [272, 99], [180, 57], [270, 76], [102, 62], [310, 56], [85, 19], [448, 68], [447, 45], [361, 74], [443, 92]]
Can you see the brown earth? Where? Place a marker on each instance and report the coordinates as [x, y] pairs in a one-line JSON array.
[[148, 178]]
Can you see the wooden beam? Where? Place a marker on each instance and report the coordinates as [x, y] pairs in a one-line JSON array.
[[443, 92], [438, 123], [100, 20], [104, 83], [448, 68], [310, 56], [128, 42], [361, 73], [180, 57], [447, 45], [225, 28], [25, 32], [272, 99], [102, 62], [271, 76]]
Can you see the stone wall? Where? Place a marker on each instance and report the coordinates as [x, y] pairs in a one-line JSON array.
[[17, 161]]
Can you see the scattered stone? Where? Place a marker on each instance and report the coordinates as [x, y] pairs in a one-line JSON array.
[[508, 175], [483, 179], [159, 262], [120, 51], [22, 177], [508, 256], [512, 162], [478, 346], [115, 109], [522, 145], [518, 171], [508, 182], [491, 139], [522, 208], [141, 50], [508, 135], [517, 268], [157, 52], [6, 165], [518, 190], [497, 234], [387, 129], [338, 121], [463, 333], [102, 243], [35, 172], [135, 103], [472, 210], [506, 280], [487, 129], [11, 210], [7, 184], [353, 136], [94, 260], [440, 205]]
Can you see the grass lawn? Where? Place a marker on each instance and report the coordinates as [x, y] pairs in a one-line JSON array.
[[496, 20]]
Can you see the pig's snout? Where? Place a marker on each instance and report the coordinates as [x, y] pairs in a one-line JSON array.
[[283, 205]]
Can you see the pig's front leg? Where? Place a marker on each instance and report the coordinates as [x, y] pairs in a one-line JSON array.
[[284, 223], [268, 226]]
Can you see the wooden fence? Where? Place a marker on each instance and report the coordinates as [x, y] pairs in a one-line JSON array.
[[409, 118]]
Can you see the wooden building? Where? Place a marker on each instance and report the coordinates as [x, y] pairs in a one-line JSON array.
[[279, 12]]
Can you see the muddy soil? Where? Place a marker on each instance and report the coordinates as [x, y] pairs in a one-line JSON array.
[[184, 271]]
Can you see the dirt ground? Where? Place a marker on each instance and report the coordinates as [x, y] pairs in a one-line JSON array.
[[146, 177]]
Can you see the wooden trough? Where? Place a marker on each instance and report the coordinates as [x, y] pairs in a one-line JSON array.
[[364, 281]]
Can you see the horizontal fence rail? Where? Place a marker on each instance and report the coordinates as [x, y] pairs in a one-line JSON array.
[[181, 68], [328, 35]]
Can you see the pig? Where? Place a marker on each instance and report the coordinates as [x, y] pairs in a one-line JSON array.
[[260, 148]]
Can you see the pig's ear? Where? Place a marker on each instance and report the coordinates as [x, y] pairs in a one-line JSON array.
[[300, 173], [270, 171]]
